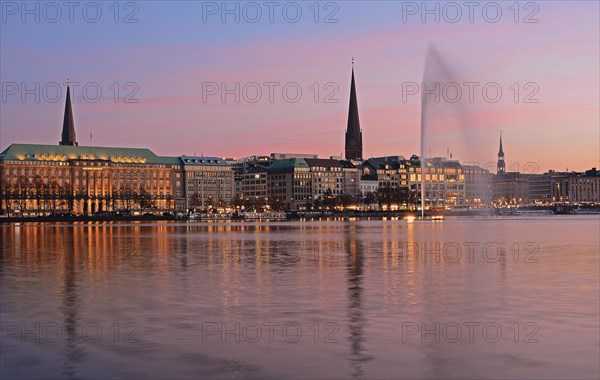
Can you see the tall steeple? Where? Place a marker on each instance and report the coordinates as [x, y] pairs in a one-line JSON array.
[[500, 169], [68, 131], [353, 132]]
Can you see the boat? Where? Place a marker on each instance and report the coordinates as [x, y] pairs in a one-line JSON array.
[[264, 215], [533, 212], [587, 212]]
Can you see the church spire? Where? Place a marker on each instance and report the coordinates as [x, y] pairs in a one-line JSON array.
[[501, 152], [68, 131], [500, 169], [353, 132]]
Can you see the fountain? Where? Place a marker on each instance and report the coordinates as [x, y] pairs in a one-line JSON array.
[[436, 76]]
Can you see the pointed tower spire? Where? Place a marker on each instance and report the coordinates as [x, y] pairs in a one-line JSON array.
[[68, 131], [500, 168], [501, 152], [353, 131]]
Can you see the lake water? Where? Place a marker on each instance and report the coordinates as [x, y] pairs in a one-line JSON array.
[[461, 298]]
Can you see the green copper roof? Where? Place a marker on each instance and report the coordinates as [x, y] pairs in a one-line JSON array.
[[32, 152], [287, 164]]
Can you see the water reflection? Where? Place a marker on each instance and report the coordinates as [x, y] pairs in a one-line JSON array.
[[367, 277], [74, 354], [355, 269]]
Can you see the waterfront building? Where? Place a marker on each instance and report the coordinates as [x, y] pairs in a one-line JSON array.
[[289, 183], [68, 178], [444, 179], [351, 180], [368, 185], [510, 189], [576, 187], [385, 169], [444, 182], [46, 179], [251, 186], [539, 187], [514, 188], [209, 183], [478, 186], [236, 165], [327, 178]]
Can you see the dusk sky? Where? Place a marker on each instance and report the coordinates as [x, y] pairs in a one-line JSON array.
[[176, 48]]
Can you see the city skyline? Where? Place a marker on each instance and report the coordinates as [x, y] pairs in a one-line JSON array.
[[88, 180], [170, 116], [353, 150]]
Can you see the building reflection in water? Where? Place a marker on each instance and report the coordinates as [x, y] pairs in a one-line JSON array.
[[355, 271], [65, 251], [74, 353]]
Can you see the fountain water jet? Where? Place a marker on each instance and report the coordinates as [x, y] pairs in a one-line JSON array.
[[436, 75]]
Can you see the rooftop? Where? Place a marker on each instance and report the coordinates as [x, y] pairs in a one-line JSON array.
[[288, 164], [206, 161], [34, 152], [323, 162]]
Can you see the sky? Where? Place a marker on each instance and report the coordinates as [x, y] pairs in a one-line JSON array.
[[241, 78]]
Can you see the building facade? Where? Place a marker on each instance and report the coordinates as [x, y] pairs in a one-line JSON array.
[[478, 186], [289, 183], [510, 189], [368, 185], [444, 183], [539, 188], [576, 187], [209, 183], [252, 191], [327, 178], [351, 180], [48, 179]]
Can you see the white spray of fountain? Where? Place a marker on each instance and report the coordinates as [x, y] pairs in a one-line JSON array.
[[437, 73]]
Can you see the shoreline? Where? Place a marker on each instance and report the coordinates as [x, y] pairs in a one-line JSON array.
[[290, 216]]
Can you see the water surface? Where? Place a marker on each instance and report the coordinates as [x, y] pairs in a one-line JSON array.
[[463, 298]]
